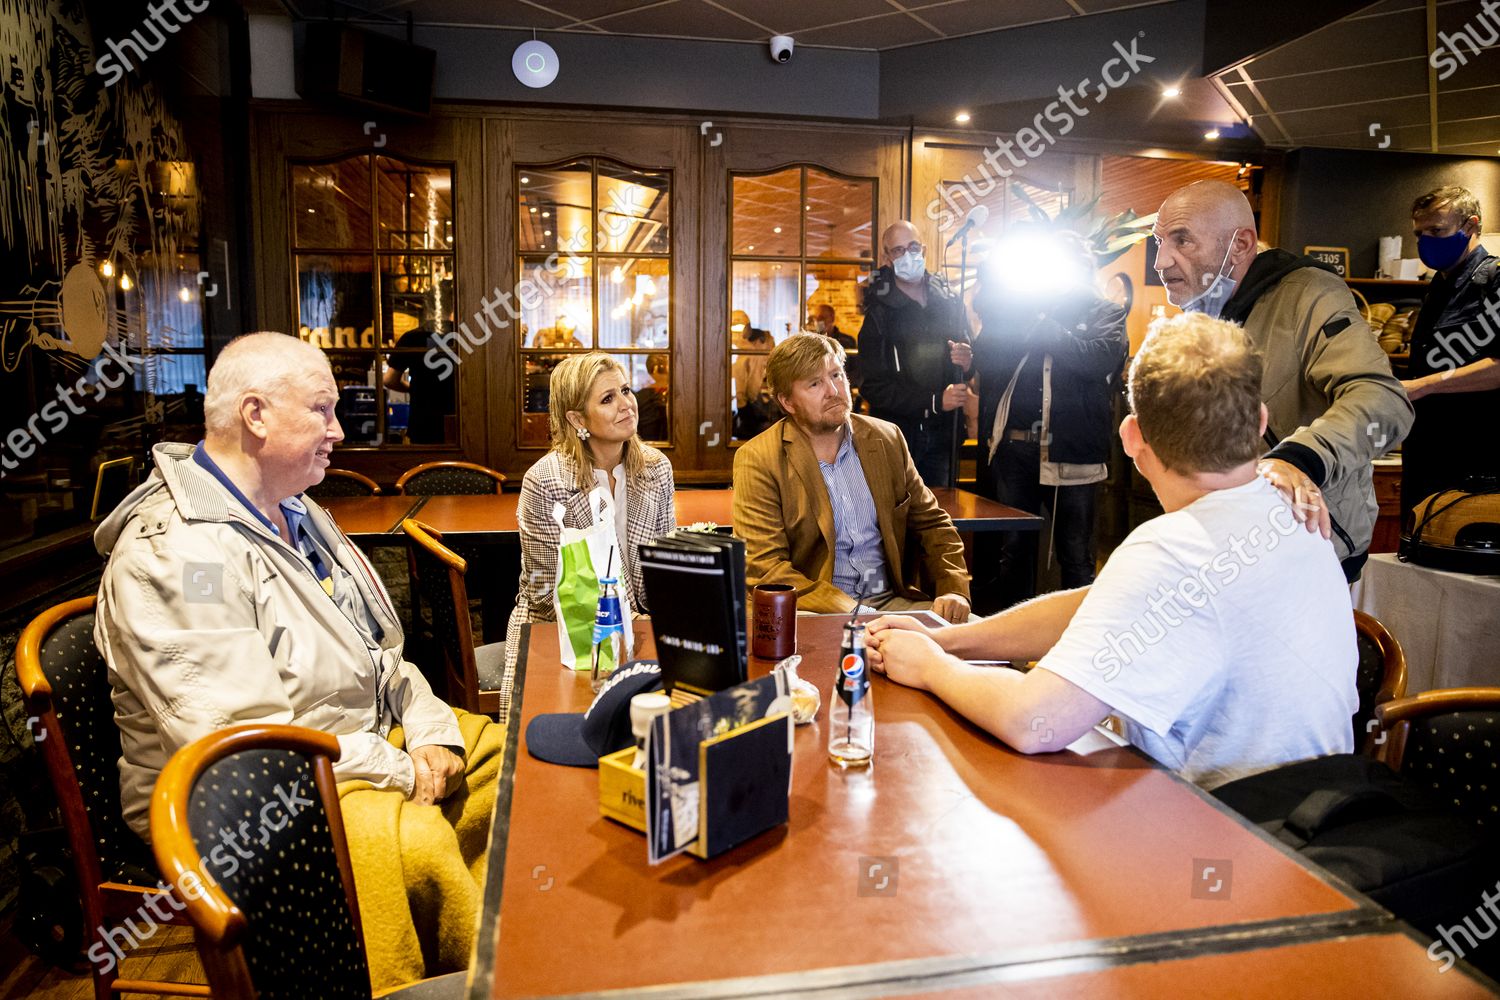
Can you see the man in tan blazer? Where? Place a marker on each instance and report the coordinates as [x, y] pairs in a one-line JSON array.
[[826, 499]]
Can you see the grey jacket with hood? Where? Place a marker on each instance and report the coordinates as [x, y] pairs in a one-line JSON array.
[[209, 620], [1334, 405]]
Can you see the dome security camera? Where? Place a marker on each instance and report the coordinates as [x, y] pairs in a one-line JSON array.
[[781, 47]]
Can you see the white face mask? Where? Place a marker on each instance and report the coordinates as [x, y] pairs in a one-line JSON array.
[[1211, 300], [910, 266]]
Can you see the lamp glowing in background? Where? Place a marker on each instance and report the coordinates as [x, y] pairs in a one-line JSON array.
[[1034, 264]]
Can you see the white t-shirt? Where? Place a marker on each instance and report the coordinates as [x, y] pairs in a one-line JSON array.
[[1224, 634]]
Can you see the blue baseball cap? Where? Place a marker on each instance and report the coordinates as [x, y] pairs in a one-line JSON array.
[[579, 739]]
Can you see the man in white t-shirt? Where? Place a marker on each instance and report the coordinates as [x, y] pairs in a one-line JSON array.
[[1221, 632]]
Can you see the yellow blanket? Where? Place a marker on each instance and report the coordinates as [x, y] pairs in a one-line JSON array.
[[419, 870]]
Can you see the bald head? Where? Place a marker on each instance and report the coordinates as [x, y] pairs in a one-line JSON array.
[[1203, 230], [897, 235], [1218, 204]]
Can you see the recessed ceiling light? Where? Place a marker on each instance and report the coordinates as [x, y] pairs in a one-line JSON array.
[[750, 247], [1172, 92], [962, 117], [546, 232], [533, 211], [775, 229], [1211, 134], [525, 179], [546, 215]]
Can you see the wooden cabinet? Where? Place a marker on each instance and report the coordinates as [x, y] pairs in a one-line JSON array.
[[1388, 495]]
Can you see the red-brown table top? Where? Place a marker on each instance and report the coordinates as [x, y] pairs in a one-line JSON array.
[[495, 514], [1387, 964], [988, 850]]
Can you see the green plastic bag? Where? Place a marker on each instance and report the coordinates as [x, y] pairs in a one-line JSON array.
[[582, 555]]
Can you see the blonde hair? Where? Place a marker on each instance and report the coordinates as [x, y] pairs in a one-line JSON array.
[[571, 386], [1195, 391], [264, 363], [799, 356]]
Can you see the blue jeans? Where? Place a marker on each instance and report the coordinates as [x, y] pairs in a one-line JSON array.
[[1016, 474]]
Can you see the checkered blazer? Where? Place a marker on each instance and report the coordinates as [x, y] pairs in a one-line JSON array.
[[650, 513]]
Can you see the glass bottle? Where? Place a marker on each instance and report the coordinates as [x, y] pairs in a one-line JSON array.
[[851, 711], [609, 633]]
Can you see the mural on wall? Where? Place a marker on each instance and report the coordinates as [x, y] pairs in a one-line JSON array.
[[97, 199]]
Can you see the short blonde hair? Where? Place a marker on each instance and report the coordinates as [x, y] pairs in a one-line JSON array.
[[799, 356], [264, 363], [1195, 391], [571, 386]]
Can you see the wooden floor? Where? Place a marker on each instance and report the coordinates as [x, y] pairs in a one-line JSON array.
[[168, 955]]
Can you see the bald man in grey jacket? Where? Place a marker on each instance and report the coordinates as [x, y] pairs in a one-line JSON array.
[[1334, 405]]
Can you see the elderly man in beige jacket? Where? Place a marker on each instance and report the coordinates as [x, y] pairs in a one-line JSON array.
[[230, 597]]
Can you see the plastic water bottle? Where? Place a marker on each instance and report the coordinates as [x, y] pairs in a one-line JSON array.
[[851, 712], [609, 633]]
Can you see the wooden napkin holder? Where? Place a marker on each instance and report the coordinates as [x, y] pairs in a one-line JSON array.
[[743, 785]]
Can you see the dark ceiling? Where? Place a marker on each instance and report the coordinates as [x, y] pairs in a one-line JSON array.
[[1373, 80], [1362, 80], [845, 24]]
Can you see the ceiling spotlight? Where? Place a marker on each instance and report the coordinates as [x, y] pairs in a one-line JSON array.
[[775, 229], [533, 211], [534, 63], [1211, 134], [1170, 92], [546, 215], [546, 232], [962, 118], [525, 179]]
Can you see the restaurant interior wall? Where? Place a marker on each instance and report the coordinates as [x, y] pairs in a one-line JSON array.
[[1351, 198]]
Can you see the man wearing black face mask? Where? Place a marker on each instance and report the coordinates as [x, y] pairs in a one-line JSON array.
[[1332, 401], [1454, 376]]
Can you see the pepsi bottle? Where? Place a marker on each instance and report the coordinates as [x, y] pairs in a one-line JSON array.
[[851, 713], [609, 634]]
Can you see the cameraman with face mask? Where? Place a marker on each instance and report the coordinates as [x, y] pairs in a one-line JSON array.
[[1454, 378], [1334, 405], [914, 353]]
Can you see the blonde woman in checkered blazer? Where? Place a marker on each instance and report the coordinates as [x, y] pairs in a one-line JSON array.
[[593, 419]]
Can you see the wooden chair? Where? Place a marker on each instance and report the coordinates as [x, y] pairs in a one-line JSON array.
[[438, 479], [473, 675], [1448, 741], [275, 914], [1380, 676], [343, 483], [65, 687]]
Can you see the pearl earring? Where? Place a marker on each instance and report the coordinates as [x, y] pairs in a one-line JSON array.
[[583, 434]]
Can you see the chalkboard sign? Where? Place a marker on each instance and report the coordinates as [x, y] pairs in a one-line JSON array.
[[1335, 257]]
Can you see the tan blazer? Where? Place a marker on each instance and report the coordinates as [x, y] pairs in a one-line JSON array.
[[782, 511]]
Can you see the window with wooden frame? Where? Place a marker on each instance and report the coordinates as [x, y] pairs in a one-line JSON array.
[[594, 273], [800, 237], [373, 283]]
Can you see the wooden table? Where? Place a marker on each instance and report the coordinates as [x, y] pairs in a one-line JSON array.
[[493, 517], [996, 859], [1391, 964]]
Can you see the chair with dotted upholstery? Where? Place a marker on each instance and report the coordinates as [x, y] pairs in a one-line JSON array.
[[474, 674], [1380, 676], [440, 479], [1448, 742], [256, 808], [343, 483], [65, 687]]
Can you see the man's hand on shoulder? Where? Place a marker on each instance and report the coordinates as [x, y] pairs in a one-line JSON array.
[[440, 772], [1300, 493], [952, 607]]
